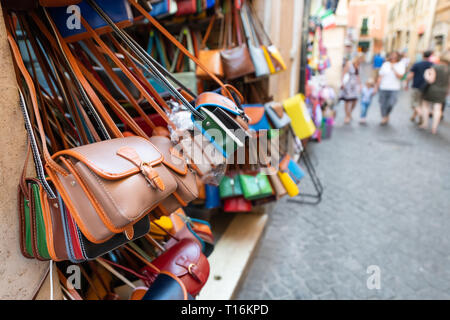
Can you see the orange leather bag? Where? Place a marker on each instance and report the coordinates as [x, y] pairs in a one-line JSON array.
[[210, 58]]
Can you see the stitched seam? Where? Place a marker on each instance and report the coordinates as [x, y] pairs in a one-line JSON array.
[[74, 213], [102, 212]]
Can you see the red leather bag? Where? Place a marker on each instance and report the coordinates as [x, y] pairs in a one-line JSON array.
[[238, 204], [186, 261], [186, 7]]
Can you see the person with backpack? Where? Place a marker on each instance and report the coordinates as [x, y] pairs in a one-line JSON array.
[[416, 74], [438, 83]]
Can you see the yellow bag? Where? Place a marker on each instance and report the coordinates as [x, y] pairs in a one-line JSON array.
[[274, 59], [289, 184], [268, 60], [164, 222], [301, 121]]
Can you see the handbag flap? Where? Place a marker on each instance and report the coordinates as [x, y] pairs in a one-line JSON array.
[[103, 159], [212, 99], [254, 112], [172, 158], [177, 259]]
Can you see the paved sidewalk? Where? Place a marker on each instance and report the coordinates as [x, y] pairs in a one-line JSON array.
[[386, 203]]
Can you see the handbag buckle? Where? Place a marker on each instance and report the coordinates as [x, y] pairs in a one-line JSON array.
[[152, 176]]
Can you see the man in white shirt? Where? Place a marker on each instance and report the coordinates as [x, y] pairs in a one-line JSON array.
[[389, 84]]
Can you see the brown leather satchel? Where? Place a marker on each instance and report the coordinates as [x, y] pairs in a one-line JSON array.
[[187, 189], [236, 61], [107, 186], [210, 58]]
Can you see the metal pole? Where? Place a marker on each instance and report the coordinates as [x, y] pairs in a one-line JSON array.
[[303, 55]]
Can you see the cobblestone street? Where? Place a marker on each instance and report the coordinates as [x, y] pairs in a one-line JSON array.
[[386, 203]]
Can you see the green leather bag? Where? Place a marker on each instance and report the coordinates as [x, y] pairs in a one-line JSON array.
[[33, 230], [230, 187], [39, 225], [255, 187]]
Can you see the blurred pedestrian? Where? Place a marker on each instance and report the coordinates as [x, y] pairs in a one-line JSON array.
[[419, 84], [378, 61], [351, 85], [389, 85], [367, 93], [438, 79]]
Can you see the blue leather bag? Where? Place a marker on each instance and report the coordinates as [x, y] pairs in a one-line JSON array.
[[118, 10], [164, 8], [210, 3], [167, 287], [258, 117], [287, 164], [212, 197]]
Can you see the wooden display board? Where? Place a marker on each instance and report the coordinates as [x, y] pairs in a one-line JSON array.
[[233, 254]]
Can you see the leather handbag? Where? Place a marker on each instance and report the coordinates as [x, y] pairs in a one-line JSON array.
[[164, 8], [189, 228], [272, 56], [219, 127], [210, 4], [185, 178], [287, 164], [118, 10], [202, 154], [33, 232], [255, 187], [212, 197], [94, 180], [276, 114], [187, 77], [238, 205], [167, 287], [301, 121], [210, 58], [110, 185], [255, 49], [230, 187], [186, 7], [289, 184], [236, 60], [184, 260], [277, 186], [258, 117]]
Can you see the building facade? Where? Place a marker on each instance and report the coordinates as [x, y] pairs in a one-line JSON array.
[[440, 40], [410, 25], [367, 22]]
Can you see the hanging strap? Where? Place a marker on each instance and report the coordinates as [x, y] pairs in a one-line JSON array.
[[258, 25], [185, 32], [114, 272], [78, 79], [144, 56], [154, 22], [35, 150], [127, 72], [86, 91]]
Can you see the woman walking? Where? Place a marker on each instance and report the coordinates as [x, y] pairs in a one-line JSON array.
[[390, 84], [351, 86], [435, 94]]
